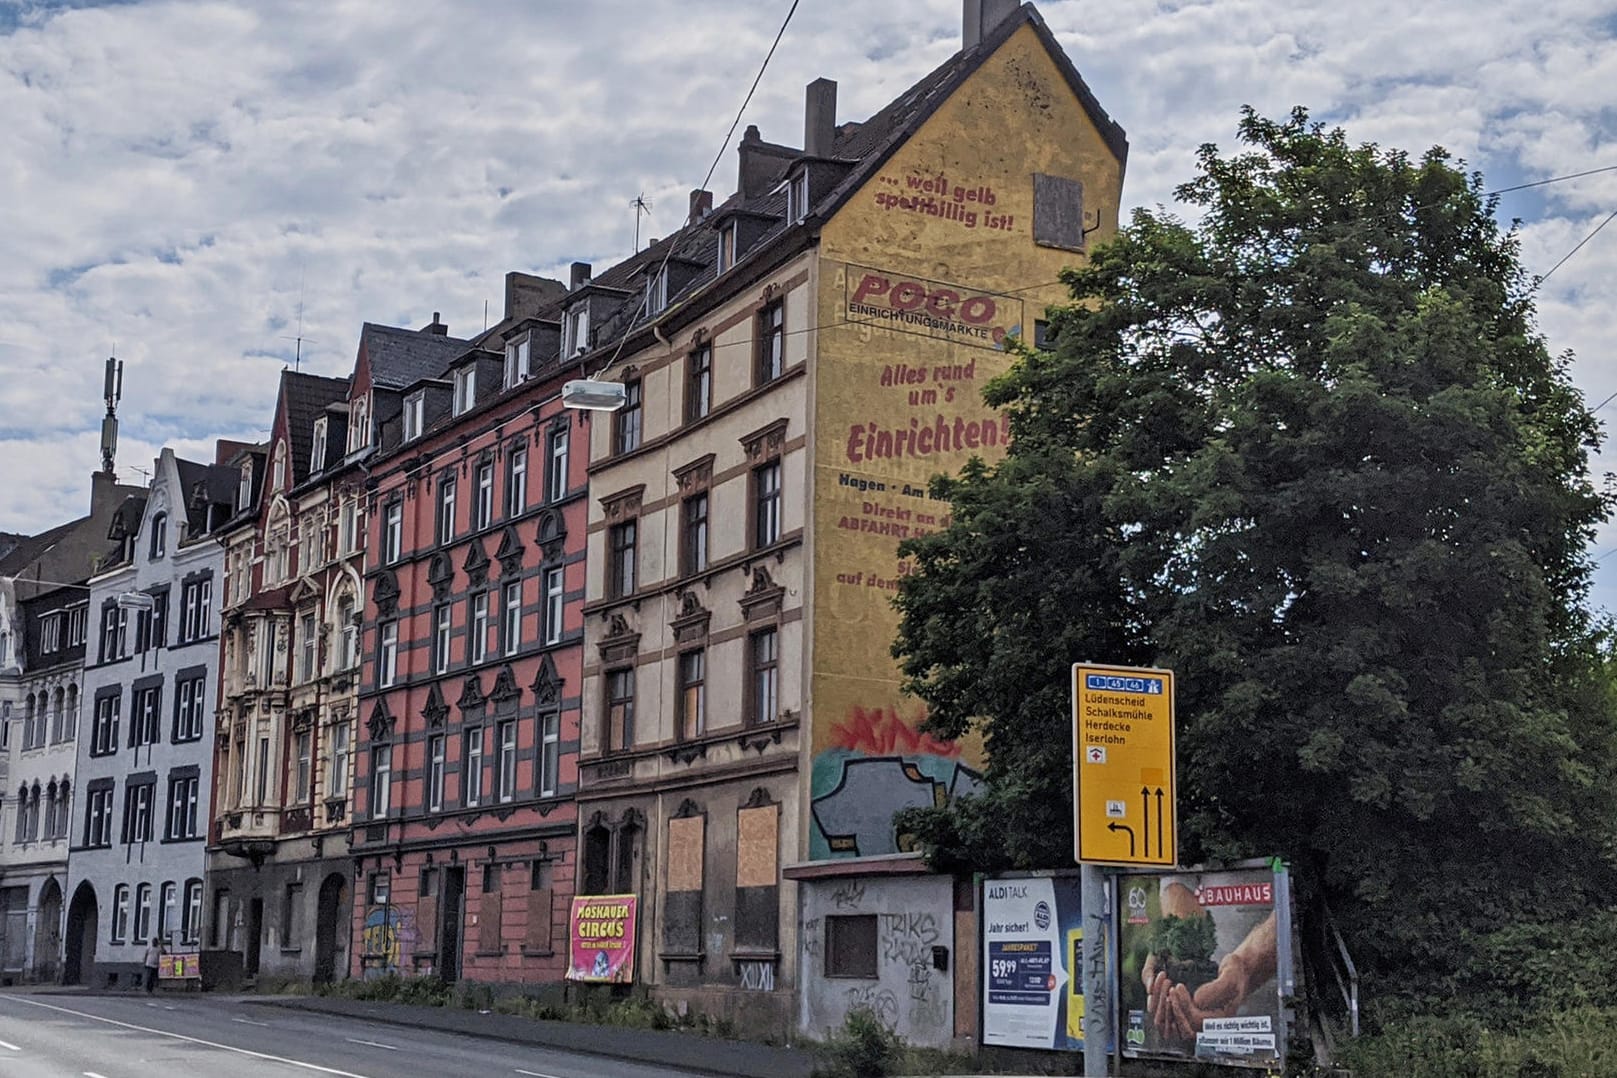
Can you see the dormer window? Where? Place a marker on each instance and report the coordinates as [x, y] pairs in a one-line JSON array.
[[516, 361], [465, 389], [657, 291], [727, 246], [415, 408], [576, 331], [159, 545], [317, 453], [244, 491], [359, 430], [797, 196]]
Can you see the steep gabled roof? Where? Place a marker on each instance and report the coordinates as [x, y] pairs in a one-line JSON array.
[[863, 148], [401, 357], [305, 397]]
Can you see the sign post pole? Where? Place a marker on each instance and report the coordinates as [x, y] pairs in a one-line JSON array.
[[1097, 1011]]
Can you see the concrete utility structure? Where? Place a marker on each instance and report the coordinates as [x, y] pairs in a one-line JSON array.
[[797, 363], [43, 627], [145, 750], [465, 828]]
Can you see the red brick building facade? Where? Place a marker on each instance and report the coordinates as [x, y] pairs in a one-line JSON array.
[[465, 825]]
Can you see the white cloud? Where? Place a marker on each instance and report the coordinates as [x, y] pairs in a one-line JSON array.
[[176, 171]]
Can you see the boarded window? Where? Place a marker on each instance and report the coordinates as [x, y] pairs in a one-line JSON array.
[[489, 912], [1058, 212], [850, 946], [682, 906], [541, 908]]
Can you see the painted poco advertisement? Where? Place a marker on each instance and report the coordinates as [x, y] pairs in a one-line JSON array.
[[1206, 964], [601, 939], [924, 275], [1032, 961]]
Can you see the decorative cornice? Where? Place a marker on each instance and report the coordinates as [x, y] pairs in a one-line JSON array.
[[765, 443]]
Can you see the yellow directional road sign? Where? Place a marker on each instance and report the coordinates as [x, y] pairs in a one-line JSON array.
[[1123, 765]]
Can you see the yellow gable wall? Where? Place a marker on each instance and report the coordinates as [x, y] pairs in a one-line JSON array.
[[941, 236]]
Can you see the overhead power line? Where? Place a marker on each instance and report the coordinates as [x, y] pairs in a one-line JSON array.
[[1577, 248]]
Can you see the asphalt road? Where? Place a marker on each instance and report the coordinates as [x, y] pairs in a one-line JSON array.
[[132, 1037]]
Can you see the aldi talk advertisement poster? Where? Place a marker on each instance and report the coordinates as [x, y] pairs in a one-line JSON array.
[[1033, 939], [1206, 961], [601, 941]]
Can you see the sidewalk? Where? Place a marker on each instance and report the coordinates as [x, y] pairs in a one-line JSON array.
[[681, 1050]]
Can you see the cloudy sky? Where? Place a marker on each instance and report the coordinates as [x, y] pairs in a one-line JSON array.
[[175, 177]]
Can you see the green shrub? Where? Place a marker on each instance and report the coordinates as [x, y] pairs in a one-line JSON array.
[[1579, 1042], [863, 1048]]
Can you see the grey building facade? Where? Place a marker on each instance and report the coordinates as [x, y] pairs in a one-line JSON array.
[[43, 626], [143, 780]]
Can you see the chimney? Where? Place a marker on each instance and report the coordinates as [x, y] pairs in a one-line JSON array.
[[701, 205], [578, 276], [436, 328], [981, 16], [819, 117], [763, 164]]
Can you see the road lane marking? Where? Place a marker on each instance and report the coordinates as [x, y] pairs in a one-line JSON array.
[[535, 1074], [191, 1040], [250, 1022], [371, 1044], [93, 1074], [9, 1047]]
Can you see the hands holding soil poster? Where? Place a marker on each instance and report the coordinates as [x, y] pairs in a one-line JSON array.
[[1200, 954]]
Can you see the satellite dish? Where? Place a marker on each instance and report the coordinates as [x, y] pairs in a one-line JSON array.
[[593, 396]]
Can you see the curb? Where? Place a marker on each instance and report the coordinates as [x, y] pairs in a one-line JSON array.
[[601, 1046]]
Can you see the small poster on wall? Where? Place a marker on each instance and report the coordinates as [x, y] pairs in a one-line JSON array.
[[1033, 940], [601, 935]]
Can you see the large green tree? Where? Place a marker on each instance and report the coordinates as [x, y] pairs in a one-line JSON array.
[[1311, 452]]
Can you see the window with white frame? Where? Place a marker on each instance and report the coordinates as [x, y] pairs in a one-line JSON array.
[[435, 773], [727, 247], [446, 507], [472, 778], [181, 822], [511, 617], [381, 781], [575, 331], [120, 913], [516, 481], [191, 915], [797, 192], [195, 599], [555, 595], [517, 355], [556, 465], [98, 817], [441, 636], [479, 626], [549, 753], [485, 496], [308, 647], [415, 414], [393, 532], [303, 766], [317, 448], [505, 768], [337, 777], [189, 708], [348, 531], [244, 487], [465, 389], [138, 812], [143, 912], [657, 291], [387, 659], [348, 629], [278, 468]]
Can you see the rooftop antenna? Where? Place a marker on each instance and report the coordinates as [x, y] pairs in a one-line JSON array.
[[297, 355], [641, 205], [113, 392], [485, 316]]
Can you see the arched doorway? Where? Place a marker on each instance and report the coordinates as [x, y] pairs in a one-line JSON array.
[[83, 918], [331, 914], [48, 931]]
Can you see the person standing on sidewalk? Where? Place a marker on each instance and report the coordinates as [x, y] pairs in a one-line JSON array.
[[154, 957]]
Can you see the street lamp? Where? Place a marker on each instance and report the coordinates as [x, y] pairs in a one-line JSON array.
[[127, 600], [592, 395]]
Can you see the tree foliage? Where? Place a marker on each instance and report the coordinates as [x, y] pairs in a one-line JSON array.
[[1313, 454]]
